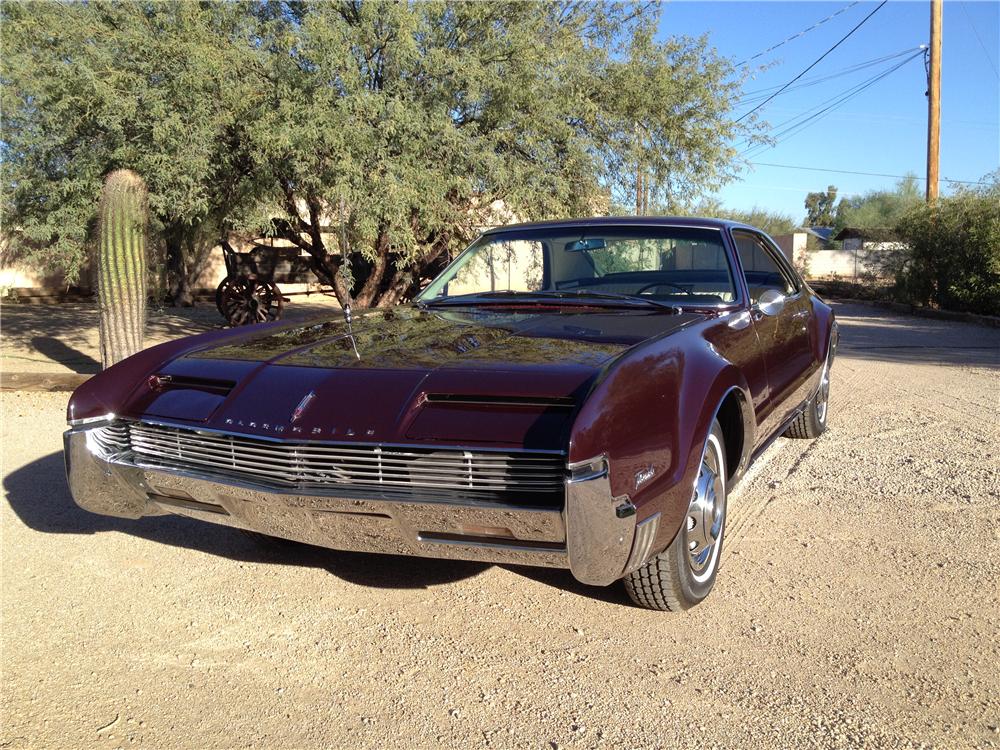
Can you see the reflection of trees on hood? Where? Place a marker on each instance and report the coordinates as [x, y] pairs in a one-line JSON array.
[[410, 339]]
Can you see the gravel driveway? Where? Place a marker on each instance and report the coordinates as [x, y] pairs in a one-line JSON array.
[[857, 606]]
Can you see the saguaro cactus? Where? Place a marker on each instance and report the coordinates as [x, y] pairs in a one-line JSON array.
[[121, 266]]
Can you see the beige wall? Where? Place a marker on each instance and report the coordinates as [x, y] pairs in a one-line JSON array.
[[32, 282], [792, 245]]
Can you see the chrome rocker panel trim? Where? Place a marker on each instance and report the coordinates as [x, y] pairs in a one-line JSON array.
[[592, 536]]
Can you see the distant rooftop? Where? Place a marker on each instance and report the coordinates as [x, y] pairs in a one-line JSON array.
[[824, 233], [869, 234]]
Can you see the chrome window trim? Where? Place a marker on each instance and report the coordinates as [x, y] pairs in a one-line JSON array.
[[638, 224], [777, 256], [628, 224], [781, 260]]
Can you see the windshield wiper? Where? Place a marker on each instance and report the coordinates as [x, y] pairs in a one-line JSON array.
[[580, 294], [471, 297]]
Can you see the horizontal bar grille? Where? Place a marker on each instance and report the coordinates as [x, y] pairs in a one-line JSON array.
[[111, 438], [534, 476]]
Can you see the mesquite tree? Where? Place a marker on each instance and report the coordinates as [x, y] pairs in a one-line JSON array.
[[121, 266], [378, 137]]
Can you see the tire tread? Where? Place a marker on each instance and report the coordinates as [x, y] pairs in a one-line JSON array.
[[653, 586], [802, 427]]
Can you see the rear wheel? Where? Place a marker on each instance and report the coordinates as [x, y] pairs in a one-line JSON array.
[[684, 573], [811, 423]]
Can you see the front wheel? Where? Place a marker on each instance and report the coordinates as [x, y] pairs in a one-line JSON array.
[[684, 573]]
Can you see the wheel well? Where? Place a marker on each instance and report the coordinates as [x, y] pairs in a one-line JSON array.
[[730, 417]]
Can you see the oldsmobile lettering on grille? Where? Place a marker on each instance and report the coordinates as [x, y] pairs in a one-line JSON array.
[[280, 429]]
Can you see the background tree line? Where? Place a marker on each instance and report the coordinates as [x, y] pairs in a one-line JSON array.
[[945, 254], [377, 137]]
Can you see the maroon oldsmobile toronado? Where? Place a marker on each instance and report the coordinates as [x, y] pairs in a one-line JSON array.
[[575, 394]]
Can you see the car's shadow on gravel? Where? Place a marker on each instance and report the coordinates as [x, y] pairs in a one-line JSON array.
[[45, 505], [563, 580]]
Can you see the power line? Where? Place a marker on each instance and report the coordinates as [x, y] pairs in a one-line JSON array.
[[836, 101], [816, 62], [758, 94], [805, 118], [980, 40], [848, 93], [866, 174], [796, 36]]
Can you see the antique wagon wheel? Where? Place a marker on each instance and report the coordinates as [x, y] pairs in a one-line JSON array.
[[220, 294], [247, 301]]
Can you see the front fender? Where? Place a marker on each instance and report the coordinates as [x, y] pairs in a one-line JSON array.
[[651, 413]]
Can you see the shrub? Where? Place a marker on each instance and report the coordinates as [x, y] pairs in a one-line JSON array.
[[953, 256]]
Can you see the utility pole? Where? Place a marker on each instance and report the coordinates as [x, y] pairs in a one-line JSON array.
[[934, 102]]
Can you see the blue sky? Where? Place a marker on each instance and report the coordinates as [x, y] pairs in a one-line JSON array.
[[883, 128]]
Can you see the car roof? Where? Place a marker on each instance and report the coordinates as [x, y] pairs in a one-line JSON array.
[[624, 221]]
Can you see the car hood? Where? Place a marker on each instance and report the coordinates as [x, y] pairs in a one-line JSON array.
[[403, 376]]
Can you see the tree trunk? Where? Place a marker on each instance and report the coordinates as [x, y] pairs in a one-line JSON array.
[[372, 287], [178, 283]]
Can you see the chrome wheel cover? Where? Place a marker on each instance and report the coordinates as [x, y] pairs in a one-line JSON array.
[[706, 514], [823, 394]]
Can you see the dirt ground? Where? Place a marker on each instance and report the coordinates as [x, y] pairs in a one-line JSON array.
[[63, 338], [857, 606]]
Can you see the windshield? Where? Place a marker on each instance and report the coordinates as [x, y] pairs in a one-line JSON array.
[[670, 265]]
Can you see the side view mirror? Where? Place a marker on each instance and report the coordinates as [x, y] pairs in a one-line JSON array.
[[771, 302]]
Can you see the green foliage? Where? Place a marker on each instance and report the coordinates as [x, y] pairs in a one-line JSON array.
[[90, 88], [820, 208], [772, 222], [953, 257], [879, 209], [379, 137], [121, 266]]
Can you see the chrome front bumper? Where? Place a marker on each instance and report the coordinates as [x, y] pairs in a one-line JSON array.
[[594, 535]]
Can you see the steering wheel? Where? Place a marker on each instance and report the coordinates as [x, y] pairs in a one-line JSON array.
[[664, 283]]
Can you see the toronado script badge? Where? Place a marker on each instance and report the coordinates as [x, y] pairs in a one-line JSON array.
[[641, 477], [303, 405]]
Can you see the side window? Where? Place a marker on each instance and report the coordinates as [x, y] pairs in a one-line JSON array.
[[761, 268]]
